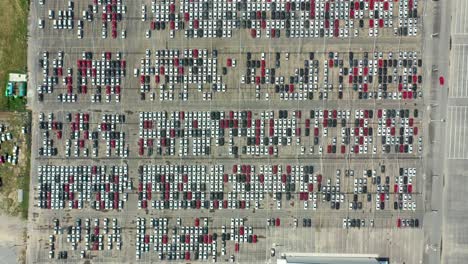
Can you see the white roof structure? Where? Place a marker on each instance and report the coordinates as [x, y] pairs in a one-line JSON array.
[[17, 77], [301, 258]]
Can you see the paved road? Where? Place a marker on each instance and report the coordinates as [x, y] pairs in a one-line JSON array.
[[435, 50], [454, 137]]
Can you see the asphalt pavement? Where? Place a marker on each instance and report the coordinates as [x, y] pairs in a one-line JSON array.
[[453, 105], [403, 246]]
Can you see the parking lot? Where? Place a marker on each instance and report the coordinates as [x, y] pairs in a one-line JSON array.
[[226, 130]]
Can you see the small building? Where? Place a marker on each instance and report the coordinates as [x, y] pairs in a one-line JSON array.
[[304, 258], [9, 89], [22, 89], [16, 86], [17, 77]]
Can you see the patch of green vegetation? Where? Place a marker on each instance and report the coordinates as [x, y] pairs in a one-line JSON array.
[[13, 48], [25, 170]]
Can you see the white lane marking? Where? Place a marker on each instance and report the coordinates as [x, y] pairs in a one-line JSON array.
[[454, 73], [454, 132], [450, 120], [459, 89], [456, 15], [462, 19], [459, 4], [463, 16], [460, 69], [463, 89], [457, 132], [458, 72], [464, 133], [459, 78]]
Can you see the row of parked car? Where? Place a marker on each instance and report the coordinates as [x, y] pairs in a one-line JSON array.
[[171, 69], [265, 133], [193, 242], [363, 75], [104, 73], [356, 223], [48, 126], [84, 135], [49, 79], [65, 18], [212, 187], [74, 187], [93, 239], [8, 156], [275, 19], [112, 11], [176, 73], [319, 131], [404, 223], [333, 75], [408, 18]]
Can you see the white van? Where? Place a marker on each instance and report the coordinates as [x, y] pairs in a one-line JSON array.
[[41, 23]]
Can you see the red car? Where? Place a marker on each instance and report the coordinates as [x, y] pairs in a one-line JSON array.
[[253, 33], [441, 80]]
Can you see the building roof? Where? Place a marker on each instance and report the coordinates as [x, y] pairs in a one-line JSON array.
[[17, 77], [22, 89], [9, 89], [331, 259]]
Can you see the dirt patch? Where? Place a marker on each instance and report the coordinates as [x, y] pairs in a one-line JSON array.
[[15, 176], [12, 239]]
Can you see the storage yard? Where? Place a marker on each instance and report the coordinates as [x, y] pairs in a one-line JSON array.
[[227, 130]]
